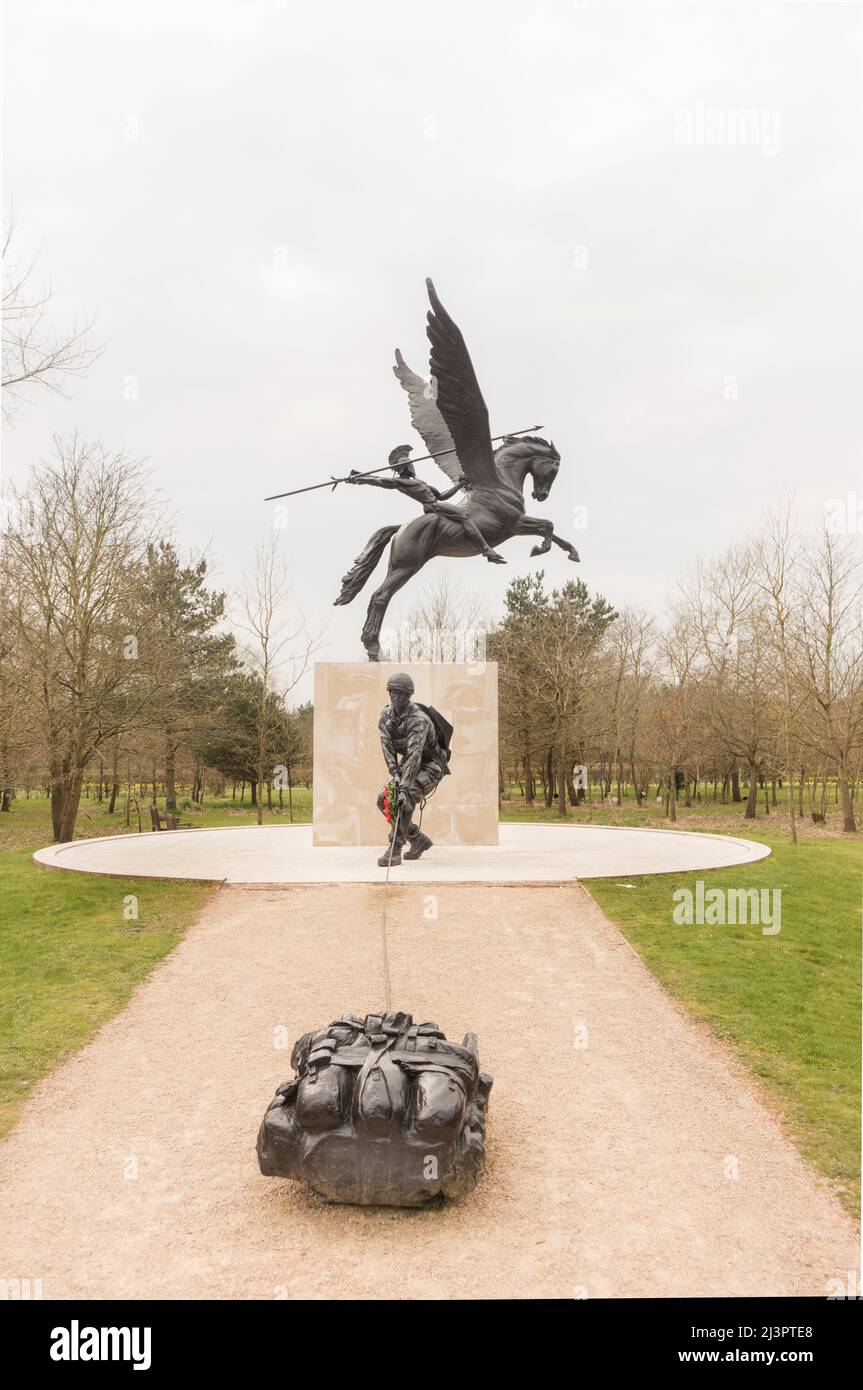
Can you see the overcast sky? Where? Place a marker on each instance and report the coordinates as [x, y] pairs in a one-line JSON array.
[[645, 218]]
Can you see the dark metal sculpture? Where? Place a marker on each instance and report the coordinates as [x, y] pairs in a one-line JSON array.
[[415, 742], [450, 414], [433, 503], [382, 1111], [333, 482]]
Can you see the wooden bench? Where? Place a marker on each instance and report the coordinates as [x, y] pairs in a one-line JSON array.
[[169, 819]]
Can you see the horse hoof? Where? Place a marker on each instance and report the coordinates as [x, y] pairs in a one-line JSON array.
[[538, 550], [494, 559], [576, 557]]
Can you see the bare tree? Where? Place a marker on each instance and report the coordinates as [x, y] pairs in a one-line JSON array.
[[631, 639], [34, 353], [831, 642], [776, 554], [723, 608], [278, 648], [15, 732], [445, 624], [674, 706], [71, 563]]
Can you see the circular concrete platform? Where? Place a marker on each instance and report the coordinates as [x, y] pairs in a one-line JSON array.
[[285, 854]]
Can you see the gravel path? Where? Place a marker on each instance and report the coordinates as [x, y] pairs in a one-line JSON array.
[[612, 1165]]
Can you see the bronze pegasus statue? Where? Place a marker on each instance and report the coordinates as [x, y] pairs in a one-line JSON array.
[[450, 414]]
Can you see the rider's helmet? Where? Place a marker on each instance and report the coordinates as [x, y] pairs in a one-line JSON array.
[[398, 460]]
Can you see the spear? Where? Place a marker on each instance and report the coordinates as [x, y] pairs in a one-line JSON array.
[[333, 482]]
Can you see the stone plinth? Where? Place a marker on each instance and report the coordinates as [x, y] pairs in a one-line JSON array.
[[349, 769]]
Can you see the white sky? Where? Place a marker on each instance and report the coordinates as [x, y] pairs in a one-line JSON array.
[[250, 194]]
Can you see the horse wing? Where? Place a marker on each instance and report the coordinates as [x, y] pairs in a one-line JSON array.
[[427, 419], [459, 398]]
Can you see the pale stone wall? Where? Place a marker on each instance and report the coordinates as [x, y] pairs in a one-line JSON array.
[[349, 769]]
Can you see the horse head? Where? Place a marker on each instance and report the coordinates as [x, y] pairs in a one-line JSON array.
[[527, 453]]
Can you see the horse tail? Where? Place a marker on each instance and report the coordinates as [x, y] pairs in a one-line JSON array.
[[365, 563]]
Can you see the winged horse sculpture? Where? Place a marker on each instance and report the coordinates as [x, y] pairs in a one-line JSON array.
[[450, 414]]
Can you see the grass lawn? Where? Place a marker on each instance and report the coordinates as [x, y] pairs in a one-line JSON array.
[[28, 824], [704, 815], [789, 1004], [69, 960]]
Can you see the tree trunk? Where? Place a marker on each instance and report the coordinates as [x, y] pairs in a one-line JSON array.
[[549, 778], [561, 782], [752, 801], [735, 784], [792, 819], [636, 788], [56, 798], [6, 779], [848, 822], [115, 778], [528, 777], [170, 772], [69, 802], [574, 796]]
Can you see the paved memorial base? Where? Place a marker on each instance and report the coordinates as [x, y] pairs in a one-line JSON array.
[[628, 1154], [285, 854]]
